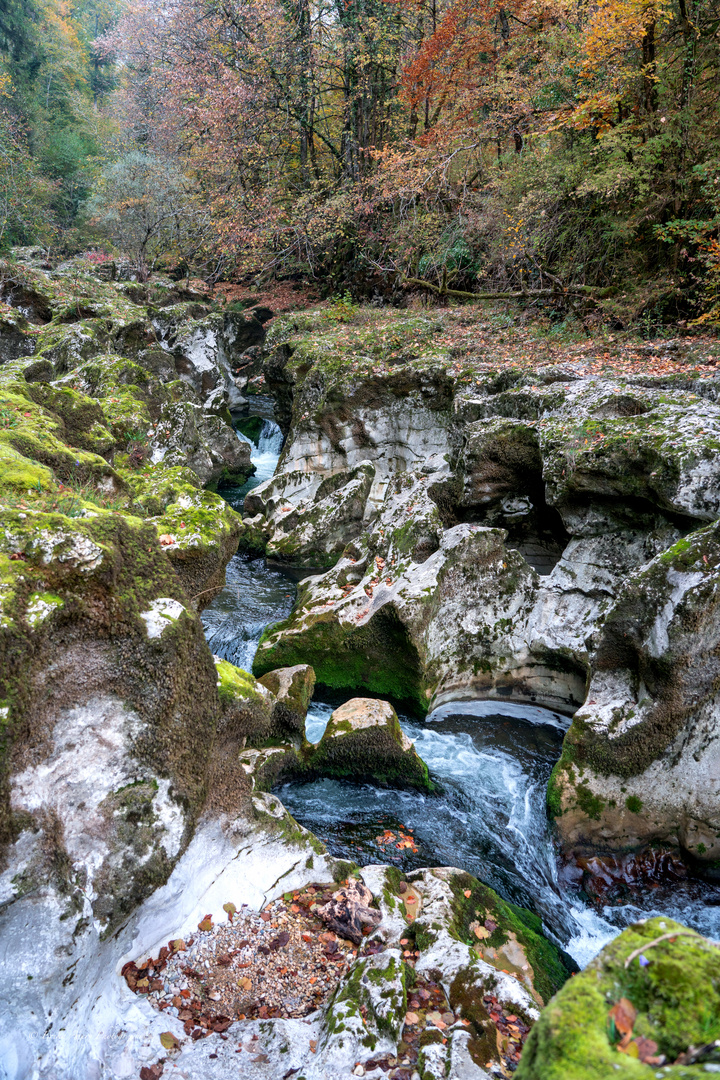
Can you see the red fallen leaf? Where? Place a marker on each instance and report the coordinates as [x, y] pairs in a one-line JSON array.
[[152, 1072], [278, 942], [490, 925], [221, 1023], [647, 1051], [198, 1033], [224, 960], [265, 916], [511, 1019]]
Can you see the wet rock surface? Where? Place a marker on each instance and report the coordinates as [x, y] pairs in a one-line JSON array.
[[363, 740]]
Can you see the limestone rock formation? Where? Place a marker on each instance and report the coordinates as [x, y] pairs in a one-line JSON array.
[[506, 514], [650, 726]]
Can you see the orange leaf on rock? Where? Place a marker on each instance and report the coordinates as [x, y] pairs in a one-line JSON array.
[[624, 1015]]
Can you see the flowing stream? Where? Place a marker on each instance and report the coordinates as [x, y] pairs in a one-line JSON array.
[[492, 760]]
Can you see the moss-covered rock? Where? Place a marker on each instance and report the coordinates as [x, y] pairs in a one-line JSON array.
[[199, 533], [364, 741], [246, 706], [293, 690], [673, 987]]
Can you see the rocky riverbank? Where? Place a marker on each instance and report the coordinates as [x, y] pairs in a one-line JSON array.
[[474, 528]]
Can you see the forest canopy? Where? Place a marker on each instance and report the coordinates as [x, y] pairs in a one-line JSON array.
[[465, 145]]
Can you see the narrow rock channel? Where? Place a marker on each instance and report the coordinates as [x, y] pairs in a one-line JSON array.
[[493, 760]]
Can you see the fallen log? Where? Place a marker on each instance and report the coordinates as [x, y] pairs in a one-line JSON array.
[[596, 292]]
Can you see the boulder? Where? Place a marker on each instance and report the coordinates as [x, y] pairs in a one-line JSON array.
[[246, 705], [650, 998], [292, 688], [187, 435], [364, 741]]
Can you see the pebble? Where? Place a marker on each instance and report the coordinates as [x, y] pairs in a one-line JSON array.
[[274, 963]]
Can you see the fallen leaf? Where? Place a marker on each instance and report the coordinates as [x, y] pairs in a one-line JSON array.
[[411, 1018], [244, 983], [168, 1040], [206, 923], [313, 1046], [152, 1072], [230, 910], [623, 1015], [647, 1051], [468, 893]]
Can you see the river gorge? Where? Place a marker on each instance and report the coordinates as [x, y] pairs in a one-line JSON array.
[[293, 605]]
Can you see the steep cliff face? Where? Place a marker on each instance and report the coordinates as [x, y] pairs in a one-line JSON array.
[[108, 548], [470, 531]]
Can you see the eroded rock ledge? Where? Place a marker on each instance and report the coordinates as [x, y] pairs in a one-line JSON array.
[[482, 532]]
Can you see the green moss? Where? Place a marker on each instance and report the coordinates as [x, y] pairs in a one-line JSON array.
[[20, 473], [550, 965], [634, 804], [234, 683], [378, 657], [677, 996], [590, 803]]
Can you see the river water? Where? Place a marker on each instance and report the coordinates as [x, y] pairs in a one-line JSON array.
[[492, 761]]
